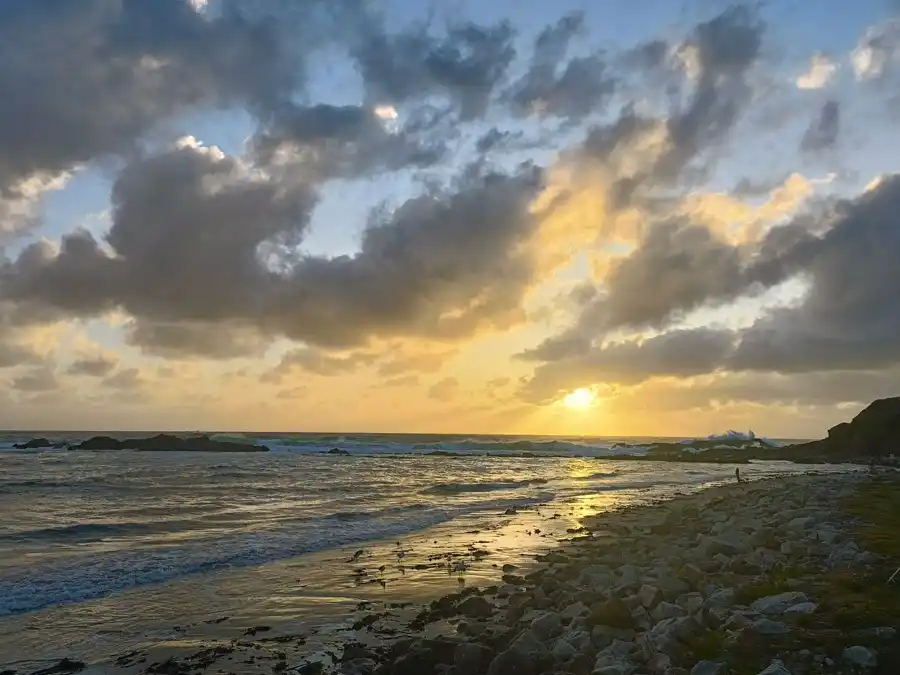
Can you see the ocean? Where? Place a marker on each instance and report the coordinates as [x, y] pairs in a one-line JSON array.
[[88, 537]]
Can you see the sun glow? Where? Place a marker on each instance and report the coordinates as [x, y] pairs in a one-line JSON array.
[[580, 398]]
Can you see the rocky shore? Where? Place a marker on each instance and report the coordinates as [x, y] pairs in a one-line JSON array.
[[782, 576], [158, 443]]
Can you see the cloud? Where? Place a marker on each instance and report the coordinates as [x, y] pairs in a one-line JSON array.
[[823, 130], [424, 362], [127, 66], [127, 379], [185, 339], [820, 72], [847, 320], [317, 362], [465, 66], [573, 92], [444, 390], [680, 353], [93, 366], [876, 51], [326, 142], [37, 380]]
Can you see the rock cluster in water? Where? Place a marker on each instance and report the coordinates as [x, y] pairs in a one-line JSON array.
[[158, 443]]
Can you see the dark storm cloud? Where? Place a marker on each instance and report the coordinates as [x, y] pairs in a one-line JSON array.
[[97, 366], [823, 130], [850, 318], [85, 79], [189, 226], [466, 65], [574, 91], [345, 141]]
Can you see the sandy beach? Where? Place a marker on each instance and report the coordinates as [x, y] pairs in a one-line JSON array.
[[727, 580]]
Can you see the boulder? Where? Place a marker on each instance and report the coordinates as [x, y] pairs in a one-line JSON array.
[[525, 656], [666, 610], [777, 604], [800, 609], [471, 658], [708, 668], [860, 656], [547, 625], [650, 596], [475, 607], [34, 443], [775, 668], [612, 612], [768, 627], [575, 610]]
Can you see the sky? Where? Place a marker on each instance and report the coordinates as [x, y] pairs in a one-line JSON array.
[[585, 217]]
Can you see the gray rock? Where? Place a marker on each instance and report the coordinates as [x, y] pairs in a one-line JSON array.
[[506, 590], [470, 658], [523, 657], [632, 602], [692, 575], [723, 598], [475, 607], [666, 610], [769, 627], [800, 609], [777, 604], [629, 575], [574, 610], [649, 596], [692, 602], [883, 633], [860, 656], [621, 668], [547, 625], [579, 639], [603, 636], [707, 668], [642, 618], [563, 651], [659, 664], [775, 668]]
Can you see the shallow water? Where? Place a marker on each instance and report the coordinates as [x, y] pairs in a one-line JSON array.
[[100, 551]]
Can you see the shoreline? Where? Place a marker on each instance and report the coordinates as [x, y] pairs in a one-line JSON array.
[[392, 620]]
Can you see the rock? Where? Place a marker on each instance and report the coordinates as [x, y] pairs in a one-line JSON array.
[[507, 568], [575, 610], [860, 656], [629, 575], [547, 625], [579, 639], [777, 604], [775, 668], [603, 636], [632, 602], [615, 656], [424, 655], [337, 451], [692, 602], [708, 668], [723, 598], [475, 607], [869, 434], [358, 667], [650, 596], [167, 443], [666, 610], [612, 612], [659, 664], [62, 666], [800, 609], [692, 575], [563, 651], [668, 636], [826, 536], [34, 443], [470, 658], [769, 627], [525, 656], [642, 618], [882, 632]]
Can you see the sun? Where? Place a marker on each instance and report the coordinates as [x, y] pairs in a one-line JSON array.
[[580, 398]]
